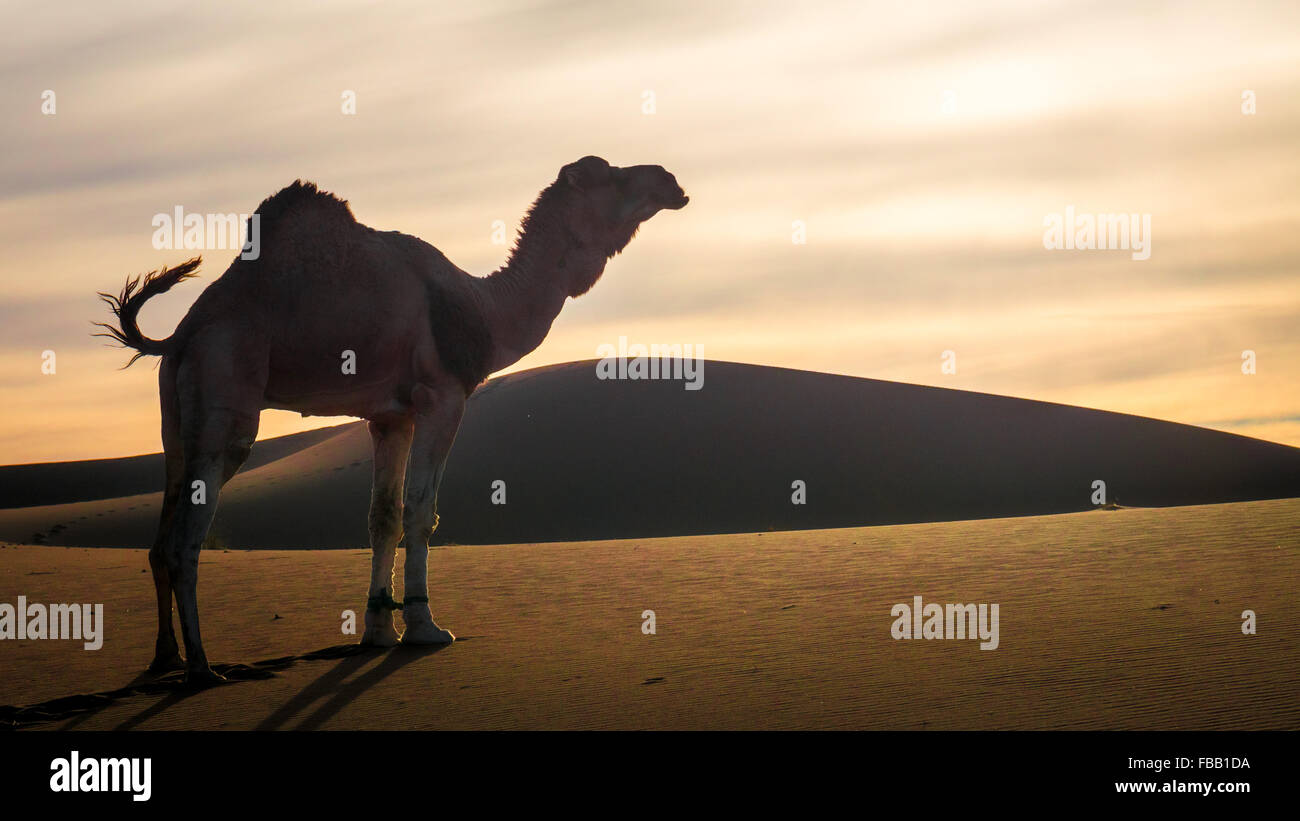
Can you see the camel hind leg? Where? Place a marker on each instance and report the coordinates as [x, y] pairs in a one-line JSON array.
[[167, 655], [219, 422]]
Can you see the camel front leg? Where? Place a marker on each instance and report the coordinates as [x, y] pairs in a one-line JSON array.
[[392, 444], [436, 422]]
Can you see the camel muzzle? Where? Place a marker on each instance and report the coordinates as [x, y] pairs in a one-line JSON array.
[[675, 201]]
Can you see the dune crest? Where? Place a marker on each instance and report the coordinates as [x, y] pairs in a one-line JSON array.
[[645, 458]]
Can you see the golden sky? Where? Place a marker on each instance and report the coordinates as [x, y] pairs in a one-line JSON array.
[[920, 145]]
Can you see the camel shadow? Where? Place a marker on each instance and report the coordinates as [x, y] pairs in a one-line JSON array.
[[74, 710], [142, 683], [157, 708], [334, 686]]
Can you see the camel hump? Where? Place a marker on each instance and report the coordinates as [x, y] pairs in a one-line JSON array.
[[302, 226], [303, 198]]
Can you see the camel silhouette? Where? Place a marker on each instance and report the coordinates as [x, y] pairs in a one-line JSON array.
[[337, 319]]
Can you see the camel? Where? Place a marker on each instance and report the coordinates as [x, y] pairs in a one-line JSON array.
[[279, 331]]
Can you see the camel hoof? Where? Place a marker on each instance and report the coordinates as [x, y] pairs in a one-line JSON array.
[[201, 678], [426, 633], [163, 664], [380, 636]]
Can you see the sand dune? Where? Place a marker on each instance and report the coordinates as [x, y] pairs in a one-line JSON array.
[[585, 459], [52, 483], [1122, 620]]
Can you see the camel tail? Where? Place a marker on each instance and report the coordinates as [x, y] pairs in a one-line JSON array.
[[127, 304]]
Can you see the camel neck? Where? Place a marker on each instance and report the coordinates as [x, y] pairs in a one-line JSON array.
[[520, 301], [548, 265]]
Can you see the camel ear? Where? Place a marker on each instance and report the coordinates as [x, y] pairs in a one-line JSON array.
[[587, 172]]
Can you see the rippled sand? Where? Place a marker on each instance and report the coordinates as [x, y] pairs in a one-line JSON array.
[[1115, 620]]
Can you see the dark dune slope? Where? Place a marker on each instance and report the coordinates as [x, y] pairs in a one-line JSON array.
[[49, 483], [583, 458]]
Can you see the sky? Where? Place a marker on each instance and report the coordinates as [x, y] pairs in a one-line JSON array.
[[869, 182]]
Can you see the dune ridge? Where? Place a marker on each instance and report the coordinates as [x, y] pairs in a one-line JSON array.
[[584, 458]]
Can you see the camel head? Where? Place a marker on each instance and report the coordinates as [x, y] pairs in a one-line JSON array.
[[602, 206]]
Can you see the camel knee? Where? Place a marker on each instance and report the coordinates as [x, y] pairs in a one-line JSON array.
[[162, 575], [419, 522], [385, 521], [384, 536], [181, 568], [180, 555]]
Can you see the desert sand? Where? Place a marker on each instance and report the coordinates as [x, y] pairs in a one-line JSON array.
[[1127, 619]]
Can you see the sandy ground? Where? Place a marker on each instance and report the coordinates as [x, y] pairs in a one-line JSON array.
[[1114, 620]]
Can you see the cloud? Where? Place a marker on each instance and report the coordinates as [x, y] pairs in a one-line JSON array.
[[923, 224]]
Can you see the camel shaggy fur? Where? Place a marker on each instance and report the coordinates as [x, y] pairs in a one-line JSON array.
[[276, 332]]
